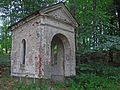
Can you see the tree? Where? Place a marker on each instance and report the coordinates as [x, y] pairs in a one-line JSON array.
[[117, 5], [12, 11], [97, 21]]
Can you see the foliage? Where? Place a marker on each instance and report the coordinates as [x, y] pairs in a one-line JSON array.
[[98, 69], [91, 77], [112, 42], [97, 19], [11, 11], [98, 30], [96, 77], [31, 86], [92, 82], [4, 60], [5, 40]]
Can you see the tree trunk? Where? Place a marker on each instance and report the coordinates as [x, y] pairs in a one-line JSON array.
[[110, 55]]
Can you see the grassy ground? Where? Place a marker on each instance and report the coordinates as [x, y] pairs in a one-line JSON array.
[[4, 60], [89, 77]]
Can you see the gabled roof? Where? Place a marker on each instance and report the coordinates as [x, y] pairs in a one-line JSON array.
[[47, 10]]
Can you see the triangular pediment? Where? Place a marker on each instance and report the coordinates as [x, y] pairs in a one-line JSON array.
[[60, 11]]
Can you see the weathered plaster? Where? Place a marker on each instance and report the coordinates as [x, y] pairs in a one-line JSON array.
[[38, 33]]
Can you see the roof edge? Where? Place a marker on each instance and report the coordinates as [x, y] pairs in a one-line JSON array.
[[42, 10]]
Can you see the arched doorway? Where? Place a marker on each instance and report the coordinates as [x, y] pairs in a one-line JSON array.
[[57, 59]]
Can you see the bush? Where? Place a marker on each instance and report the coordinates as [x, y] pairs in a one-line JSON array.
[[91, 77], [4, 60], [98, 69], [92, 82]]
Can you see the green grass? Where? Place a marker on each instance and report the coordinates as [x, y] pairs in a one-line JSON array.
[[93, 82], [90, 77], [82, 82]]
